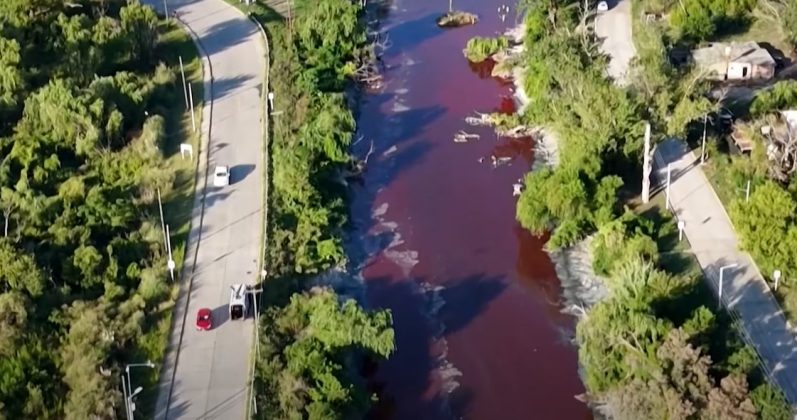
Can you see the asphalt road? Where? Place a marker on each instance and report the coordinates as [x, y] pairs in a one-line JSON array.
[[211, 368], [614, 28], [715, 245]]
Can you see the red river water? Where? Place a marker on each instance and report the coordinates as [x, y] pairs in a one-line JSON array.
[[475, 301]]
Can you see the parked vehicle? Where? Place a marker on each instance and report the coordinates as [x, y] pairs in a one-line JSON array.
[[239, 304]]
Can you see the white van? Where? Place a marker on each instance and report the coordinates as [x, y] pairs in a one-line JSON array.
[[239, 304]]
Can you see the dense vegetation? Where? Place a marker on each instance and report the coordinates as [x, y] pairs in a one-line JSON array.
[[699, 20], [309, 343], [653, 348], [311, 138], [312, 345], [85, 107], [599, 145], [782, 96]]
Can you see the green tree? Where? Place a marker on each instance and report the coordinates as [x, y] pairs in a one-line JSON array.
[[770, 403], [13, 318], [310, 344], [698, 20], [139, 24], [12, 82], [19, 271], [84, 351], [766, 227], [328, 37]]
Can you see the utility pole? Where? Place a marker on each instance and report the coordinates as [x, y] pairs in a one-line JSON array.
[[450, 6], [185, 89], [747, 192], [165, 10], [191, 99], [647, 166]]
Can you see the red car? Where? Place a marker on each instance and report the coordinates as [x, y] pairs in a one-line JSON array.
[[203, 320]]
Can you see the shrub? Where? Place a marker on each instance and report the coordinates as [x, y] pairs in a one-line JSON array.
[[479, 49]]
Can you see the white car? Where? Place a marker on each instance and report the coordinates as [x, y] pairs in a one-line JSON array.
[[221, 176], [603, 6]]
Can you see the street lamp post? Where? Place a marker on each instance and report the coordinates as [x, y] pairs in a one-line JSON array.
[[124, 392], [170, 264], [667, 196], [703, 148], [163, 224], [185, 87], [191, 101], [131, 406], [681, 226], [722, 270], [129, 400]]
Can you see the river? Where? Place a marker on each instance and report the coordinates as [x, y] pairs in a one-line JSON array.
[[475, 301]]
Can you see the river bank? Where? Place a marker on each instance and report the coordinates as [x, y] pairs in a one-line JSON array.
[[581, 287]]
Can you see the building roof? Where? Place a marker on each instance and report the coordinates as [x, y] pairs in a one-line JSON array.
[[742, 52]]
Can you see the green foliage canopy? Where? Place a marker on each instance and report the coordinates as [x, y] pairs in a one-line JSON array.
[[80, 164], [307, 356]]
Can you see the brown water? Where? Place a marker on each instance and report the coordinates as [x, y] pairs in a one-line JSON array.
[[475, 301]]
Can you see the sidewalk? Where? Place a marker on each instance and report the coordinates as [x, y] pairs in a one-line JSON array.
[[713, 239]]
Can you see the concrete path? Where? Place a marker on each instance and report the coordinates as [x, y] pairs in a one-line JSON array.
[[206, 374], [713, 240], [614, 28]]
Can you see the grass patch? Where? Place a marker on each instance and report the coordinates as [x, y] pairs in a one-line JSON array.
[[762, 31], [674, 256], [722, 176], [173, 43]]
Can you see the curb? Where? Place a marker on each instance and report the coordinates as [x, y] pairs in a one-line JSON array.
[[200, 183]]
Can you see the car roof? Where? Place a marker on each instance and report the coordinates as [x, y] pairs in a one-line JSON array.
[[203, 311]]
